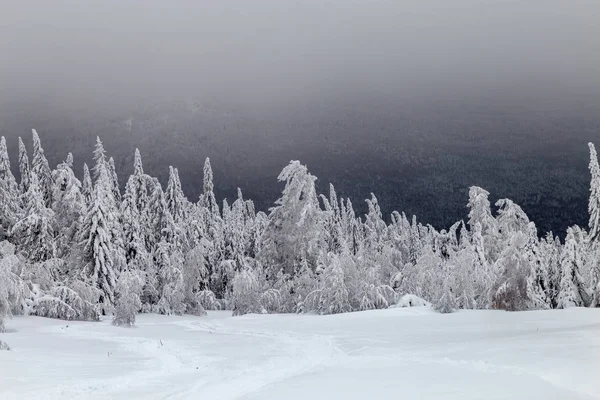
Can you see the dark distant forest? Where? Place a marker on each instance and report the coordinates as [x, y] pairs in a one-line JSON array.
[[417, 157]]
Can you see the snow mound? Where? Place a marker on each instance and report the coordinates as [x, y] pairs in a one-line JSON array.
[[410, 300]]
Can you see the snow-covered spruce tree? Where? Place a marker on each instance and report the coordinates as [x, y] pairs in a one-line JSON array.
[[170, 279], [572, 291], [511, 219], [35, 231], [9, 194], [112, 169], [136, 255], [234, 244], [87, 187], [68, 206], [399, 236], [510, 290], [246, 293], [129, 288], [138, 237], [176, 201], [351, 227], [374, 225], [469, 284], [332, 295], [5, 172], [538, 291], [167, 255], [101, 235], [415, 247], [365, 287], [23, 167], [12, 291], [294, 230], [196, 279], [480, 213], [594, 226], [160, 221], [234, 229], [41, 168], [485, 273], [295, 290], [334, 238], [446, 303], [208, 228], [208, 199], [551, 254], [139, 184], [422, 279], [594, 200]]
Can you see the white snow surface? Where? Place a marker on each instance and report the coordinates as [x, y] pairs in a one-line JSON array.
[[410, 353]]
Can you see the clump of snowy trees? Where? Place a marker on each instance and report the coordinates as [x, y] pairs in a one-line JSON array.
[[80, 249]]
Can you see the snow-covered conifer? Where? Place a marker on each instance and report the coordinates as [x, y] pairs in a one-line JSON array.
[[594, 200], [246, 293], [511, 287], [68, 205], [101, 236], [23, 167], [480, 213], [168, 261], [195, 274], [41, 168], [5, 171], [129, 288], [136, 256], [446, 303], [332, 296], [114, 180], [208, 196], [572, 291], [176, 201], [511, 218], [11, 284], [87, 187], [35, 231], [9, 193], [294, 230], [537, 279]]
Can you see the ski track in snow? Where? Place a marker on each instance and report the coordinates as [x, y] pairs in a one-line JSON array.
[[168, 362], [303, 354], [256, 357]]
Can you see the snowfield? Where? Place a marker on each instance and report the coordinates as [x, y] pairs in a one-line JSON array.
[[410, 353]]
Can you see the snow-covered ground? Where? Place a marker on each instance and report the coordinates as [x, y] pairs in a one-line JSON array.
[[410, 353]]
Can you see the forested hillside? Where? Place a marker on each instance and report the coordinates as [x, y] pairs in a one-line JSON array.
[[79, 248]]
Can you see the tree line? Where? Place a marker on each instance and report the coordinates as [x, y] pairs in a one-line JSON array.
[[79, 249]]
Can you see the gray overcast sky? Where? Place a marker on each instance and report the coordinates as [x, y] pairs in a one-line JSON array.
[[414, 100], [269, 51]]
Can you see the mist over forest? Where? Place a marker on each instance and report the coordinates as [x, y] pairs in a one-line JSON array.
[[414, 101]]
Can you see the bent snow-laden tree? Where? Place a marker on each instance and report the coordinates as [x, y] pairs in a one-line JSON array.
[[293, 234]]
